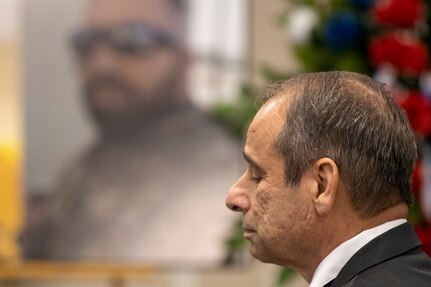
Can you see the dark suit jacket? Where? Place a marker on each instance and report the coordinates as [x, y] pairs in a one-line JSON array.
[[391, 259]]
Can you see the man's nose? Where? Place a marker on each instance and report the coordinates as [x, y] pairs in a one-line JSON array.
[[102, 58], [238, 198]]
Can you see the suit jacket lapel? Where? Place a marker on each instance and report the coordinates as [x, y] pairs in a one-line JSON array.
[[388, 245]]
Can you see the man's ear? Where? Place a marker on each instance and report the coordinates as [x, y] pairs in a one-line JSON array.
[[325, 173]]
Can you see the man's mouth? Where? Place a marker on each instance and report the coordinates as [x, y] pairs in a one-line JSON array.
[[248, 232], [109, 99]]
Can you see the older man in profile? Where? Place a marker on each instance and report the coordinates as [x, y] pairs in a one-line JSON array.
[[327, 188]]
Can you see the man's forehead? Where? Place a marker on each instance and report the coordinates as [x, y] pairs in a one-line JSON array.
[[275, 106], [272, 112], [159, 13], [268, 120]]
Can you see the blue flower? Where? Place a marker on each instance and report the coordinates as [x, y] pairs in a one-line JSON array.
[[362, 3], [342, 31]]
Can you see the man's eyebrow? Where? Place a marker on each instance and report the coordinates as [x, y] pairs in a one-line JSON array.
[[253, 163]]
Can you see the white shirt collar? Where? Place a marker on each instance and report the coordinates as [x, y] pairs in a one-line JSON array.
[[331, 265]]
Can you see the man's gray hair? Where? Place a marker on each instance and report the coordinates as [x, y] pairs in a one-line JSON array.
[[353, 120]]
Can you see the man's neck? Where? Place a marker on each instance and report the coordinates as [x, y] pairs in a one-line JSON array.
[[333, 263], [343, 229]]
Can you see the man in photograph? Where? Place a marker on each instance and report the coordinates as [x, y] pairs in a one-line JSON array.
[[149, 189]]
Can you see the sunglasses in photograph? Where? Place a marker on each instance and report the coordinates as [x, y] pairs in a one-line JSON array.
[[130, 39]]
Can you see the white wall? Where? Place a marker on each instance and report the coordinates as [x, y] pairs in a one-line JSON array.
[[55, 124]]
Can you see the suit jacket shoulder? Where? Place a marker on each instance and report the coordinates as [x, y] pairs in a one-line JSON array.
[[391, 259]]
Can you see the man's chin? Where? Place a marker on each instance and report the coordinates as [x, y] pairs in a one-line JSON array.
[[109, 98], [110, 108], [256, 252], [116, 126], [260, 253]]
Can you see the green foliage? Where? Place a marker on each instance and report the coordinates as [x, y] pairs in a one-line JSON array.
[[415, 214], [236, 240], [271, 75], [235, 243], [284, 276], [238, 115]]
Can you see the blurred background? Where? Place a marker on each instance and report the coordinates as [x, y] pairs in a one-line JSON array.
[[92, 193]]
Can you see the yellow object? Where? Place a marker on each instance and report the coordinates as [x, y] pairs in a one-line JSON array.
[[11, 204]]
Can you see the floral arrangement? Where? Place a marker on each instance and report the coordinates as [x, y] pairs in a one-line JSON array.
[[389, 40]]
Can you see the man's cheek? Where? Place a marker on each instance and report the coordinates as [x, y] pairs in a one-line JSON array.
[[262, 203]]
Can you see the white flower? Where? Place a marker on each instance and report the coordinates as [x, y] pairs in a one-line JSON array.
[[300, 24], [386, 74], [425, 84]]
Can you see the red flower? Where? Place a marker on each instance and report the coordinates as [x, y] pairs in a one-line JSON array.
[[418, 111], [408, 55], [403, 13], [424, 234]]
